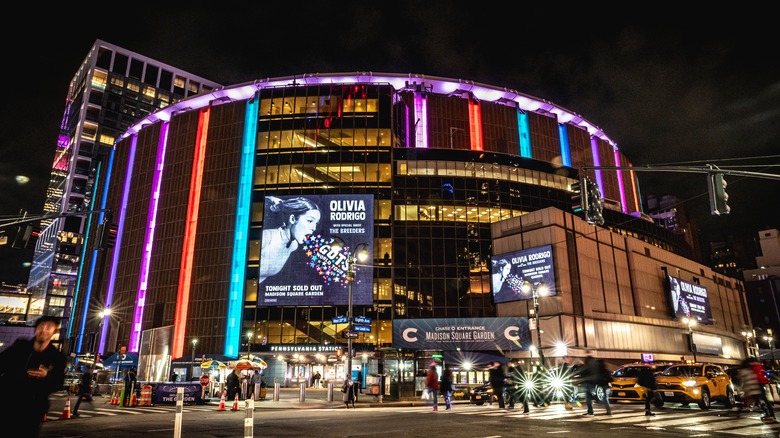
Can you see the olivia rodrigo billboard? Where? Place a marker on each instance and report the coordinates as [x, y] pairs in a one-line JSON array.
[[306, 248], [466, 334]]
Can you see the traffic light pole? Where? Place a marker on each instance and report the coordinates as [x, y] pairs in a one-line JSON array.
[[28, 219]]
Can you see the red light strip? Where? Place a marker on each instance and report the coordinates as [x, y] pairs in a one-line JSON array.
[[475, 126]]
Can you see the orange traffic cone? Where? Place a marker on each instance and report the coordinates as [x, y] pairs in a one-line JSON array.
[[222, 403], [235, 404], [133, 400], [66, 410]]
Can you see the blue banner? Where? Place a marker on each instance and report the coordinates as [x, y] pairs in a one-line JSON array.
[[466, 334], [166, 392]]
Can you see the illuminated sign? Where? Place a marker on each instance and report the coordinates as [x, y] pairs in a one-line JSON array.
[[512, 269], [465, 334], [689, 300], [306, 247]]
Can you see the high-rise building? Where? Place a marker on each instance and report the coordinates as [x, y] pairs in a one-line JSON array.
[[112, 89]]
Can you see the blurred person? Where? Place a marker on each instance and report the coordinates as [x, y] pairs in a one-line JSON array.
[[432, 385], [595, 375], [30, 371], [646, 378], [497, 379], [520, 387], [446, 388], [85, 390], [350, 393], [131, 385]]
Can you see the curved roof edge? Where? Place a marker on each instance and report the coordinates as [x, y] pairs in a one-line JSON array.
[[431, 84]]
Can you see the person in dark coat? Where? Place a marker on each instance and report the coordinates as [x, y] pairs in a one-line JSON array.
[[30, 371], [446, 388], [595, 375], [131, 385], [350, 393], [646, 378], [233, 385], [518, 390], [85, 390], [498, 382]]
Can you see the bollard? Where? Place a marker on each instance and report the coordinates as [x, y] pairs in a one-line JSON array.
[[276, 391], [249, 420], [302, 394], [330, 391], [256, 395], [179, 412]]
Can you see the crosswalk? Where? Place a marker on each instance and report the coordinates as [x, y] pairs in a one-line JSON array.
[[685, 418]]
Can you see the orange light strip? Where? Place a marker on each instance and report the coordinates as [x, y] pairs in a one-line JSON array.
[[190, 232], [475, 126]]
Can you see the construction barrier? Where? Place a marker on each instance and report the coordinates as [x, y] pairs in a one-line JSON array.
[[146, 395]]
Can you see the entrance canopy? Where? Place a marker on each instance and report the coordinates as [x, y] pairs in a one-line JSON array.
[[126, 360]]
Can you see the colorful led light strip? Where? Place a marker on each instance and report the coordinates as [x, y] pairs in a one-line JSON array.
[[81, 275], [594, 148], [525, 135], [475, 126], [421, 124], [241, 239], [122, 214], [146, 255], [635, 190], [620, 183], [563, 134], [190, 234]]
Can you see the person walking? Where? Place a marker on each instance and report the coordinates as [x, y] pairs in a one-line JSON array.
[[432, 385], [497, 379], [446, 388], [30, 370], [763, 382], [349, 391], [85, 390], [646, 379], [317, 377], [518, 391], [569, 391], [751, 382], [595, 376]]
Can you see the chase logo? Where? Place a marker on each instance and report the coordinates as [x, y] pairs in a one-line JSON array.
[[410, 335]]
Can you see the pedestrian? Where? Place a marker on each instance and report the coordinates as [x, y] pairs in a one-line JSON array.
[[432, 385], [30, 370], [595, 376], [85, 390], [349, 391], [131, 384], [254, 383], [317, 377], [521, 387], [646, 379], [446, 388], [763, 381], [497, 379], [751, 381], [360, 381], [569, 391], [232, 384]]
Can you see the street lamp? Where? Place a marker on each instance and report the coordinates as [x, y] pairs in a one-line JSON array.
[[771, 341], [194, 343], [536, 290], [360, 253], [690, 322], [103, 315], [747, 336]]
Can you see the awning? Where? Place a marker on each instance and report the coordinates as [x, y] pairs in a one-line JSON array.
[[472, 359], [127, 360]]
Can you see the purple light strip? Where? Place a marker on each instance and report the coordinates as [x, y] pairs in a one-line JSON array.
[[140, 300], [421, 124], [594, 147], [620, 183]]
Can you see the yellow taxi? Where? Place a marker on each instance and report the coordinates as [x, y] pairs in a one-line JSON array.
[[700, 383], [624, 386]]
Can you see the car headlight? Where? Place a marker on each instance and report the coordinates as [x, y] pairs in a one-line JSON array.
[[690, 383]]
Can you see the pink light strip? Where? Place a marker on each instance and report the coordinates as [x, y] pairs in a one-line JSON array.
[[620, 183], [146, 256]]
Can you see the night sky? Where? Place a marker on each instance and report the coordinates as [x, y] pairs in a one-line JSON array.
[[680, 91]]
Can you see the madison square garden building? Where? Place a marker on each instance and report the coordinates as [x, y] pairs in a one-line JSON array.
[[240, 213]]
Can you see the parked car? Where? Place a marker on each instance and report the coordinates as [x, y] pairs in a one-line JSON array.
[[624, 387], [700, 383], [479, 395]]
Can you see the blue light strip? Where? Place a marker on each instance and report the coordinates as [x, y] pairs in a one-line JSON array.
[[525, 135], [93, 260], [241, 238], [563, 134]]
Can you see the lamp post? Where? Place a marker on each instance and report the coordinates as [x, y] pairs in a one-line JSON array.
[[690, 322], [536, 290], [747, 336], [360, 253], [194, 343], [249, 344], [106, 312]]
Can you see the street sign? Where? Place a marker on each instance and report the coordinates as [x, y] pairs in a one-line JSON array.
[[346, 334], [204, 380], [339, 320], [361, 328], [362, 320]]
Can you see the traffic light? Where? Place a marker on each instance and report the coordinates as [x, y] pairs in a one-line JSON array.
[[25, 234], [339, 352], [595, 206], [106, 234], [579, 195], [718, 196]]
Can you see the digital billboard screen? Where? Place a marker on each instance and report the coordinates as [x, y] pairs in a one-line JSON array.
[[302, 261], [689, 300], [512, 269]]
